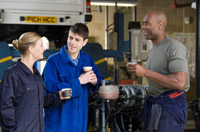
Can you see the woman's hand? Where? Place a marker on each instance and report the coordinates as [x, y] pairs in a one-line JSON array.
[[61, 94]]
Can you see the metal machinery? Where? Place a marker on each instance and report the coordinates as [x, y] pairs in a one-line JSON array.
[[118, 115]]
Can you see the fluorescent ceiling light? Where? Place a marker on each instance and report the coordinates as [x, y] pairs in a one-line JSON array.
[[127, 3]]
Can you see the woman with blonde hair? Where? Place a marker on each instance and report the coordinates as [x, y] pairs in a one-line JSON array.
[[22, 95]]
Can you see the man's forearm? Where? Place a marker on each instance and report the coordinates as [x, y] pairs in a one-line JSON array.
[[175, 80]]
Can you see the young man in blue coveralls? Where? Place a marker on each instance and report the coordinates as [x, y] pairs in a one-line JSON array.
[[165, 109], [65, 70]]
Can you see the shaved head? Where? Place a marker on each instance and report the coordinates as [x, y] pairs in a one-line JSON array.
[[159, 16], [154, 25]]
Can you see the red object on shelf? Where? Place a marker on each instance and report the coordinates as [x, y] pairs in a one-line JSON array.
[[128, 81]]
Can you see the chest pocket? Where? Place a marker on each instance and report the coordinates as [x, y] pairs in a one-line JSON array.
[[23, 92], [26, 89]]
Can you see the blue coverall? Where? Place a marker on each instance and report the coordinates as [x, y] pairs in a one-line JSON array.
[[60, 72]]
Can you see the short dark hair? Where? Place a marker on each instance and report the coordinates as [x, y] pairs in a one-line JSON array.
[[80, 29]]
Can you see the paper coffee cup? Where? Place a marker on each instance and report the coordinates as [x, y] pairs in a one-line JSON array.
[[132, 62], [87, 68], [67, 92]]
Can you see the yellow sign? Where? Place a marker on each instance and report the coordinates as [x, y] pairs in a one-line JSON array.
[[41, 19]]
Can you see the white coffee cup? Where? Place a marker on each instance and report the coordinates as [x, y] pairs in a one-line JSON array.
[[87, 68], [132, 62]]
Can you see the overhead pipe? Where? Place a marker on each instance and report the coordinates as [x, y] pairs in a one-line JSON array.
[[175, 5]]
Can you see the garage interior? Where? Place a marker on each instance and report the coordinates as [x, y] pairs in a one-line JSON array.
[[109, 37]]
